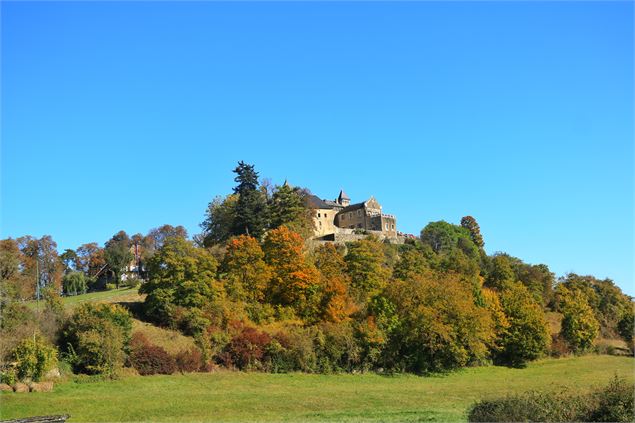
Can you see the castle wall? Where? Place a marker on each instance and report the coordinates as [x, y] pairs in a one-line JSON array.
[[323, 221]]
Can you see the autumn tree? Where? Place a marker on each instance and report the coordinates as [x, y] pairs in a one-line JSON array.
[[117, 254], [251, 207], [469, 223], [336, 305], [69, 260], [527, 337], [13, 283], [244, 271], [40, 261], [91, 258], [365, 266], [294, 282], [579, 326], [501, 274], [439, 325]]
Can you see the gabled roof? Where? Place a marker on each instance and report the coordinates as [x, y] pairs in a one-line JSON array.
[[315, 202], [342, 196], [353, 207]]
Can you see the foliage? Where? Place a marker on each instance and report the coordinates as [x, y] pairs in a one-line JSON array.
[[34, 357], [527, 337], [180, 275], [365, 266], [188, 361], [287, 208], [246, 350], [219, 220], [439, 325], [294, 281], [579, 326], [251, 207], [469, 223], [336, 305], [117, 254], [149, 359], [442, 236], [74, 283], [96, 338], [612, 403], [244, 270]]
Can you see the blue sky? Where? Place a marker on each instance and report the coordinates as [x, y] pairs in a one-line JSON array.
[[129, 115]]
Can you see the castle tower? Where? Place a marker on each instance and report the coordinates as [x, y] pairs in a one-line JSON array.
[[343, 199]]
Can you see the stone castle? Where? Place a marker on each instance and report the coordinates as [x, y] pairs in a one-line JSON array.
[[337, 220]]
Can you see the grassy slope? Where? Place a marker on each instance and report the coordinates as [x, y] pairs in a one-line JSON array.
[[111, 296], [232, 396]]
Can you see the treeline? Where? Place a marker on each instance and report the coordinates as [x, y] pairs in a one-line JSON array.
[[256, 295]]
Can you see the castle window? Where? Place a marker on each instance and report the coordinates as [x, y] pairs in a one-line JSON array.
[[318, 214], [325, 215], [359, 212], [386, 226], [392, 226]]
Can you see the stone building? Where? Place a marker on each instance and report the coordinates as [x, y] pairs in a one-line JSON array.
[[340, 217]]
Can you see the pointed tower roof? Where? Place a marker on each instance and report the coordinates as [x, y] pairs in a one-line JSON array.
[[342, 196]]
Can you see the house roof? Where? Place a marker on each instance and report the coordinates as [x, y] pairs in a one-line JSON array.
[[342, 196], [353, 207], [315, 202]]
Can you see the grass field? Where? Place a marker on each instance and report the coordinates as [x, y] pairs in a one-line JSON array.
[[111, 296], [233, 396]]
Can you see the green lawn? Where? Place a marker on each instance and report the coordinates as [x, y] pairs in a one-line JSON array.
[[110, 296], [229, 396]]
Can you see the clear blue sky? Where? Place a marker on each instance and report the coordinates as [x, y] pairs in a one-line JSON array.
[[129, 115]]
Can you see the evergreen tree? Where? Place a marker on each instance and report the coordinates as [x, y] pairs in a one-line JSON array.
[[251, 208], [469, 223], [288, 208]]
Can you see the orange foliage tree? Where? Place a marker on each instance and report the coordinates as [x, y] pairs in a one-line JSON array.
[[244, 270]]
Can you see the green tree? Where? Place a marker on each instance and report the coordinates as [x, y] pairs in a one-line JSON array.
[[528, 334], [469, 223], [74, 283], [33, 357], [118, 255], [443, 237], [69, 260], [365, 266], [287, 207], [251, 208], [180, 275], [579, 326], [626, 327], [501, 274], [220, 219]]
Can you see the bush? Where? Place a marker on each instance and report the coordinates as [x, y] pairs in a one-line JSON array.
[[188, 361], [96, 338], [149, 359], [613, 403], [33, 357], [74, 283], [246, 350]]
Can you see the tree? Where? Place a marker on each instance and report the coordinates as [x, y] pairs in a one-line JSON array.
[[244, 269], [579, 326], [294, 282], [439, 326], [336, 305], [180, 275], [156, 237], [69, 260], [469, 223], [443, 237], [287, 207], [117, 254], [528, 334], [626, 327], [74, 283], [220, 219], [365, 266], [13, 283], [501, 273], [40, 261], [413, 262], [90, 258], [251, 208]]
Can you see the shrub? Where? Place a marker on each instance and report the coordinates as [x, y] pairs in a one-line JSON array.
[[188, 361], [96, 338], [559, 346], [246, 350], [613, 403], [33, 357], [149, 359], [74, 283]]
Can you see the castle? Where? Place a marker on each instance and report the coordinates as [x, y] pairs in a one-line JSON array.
[[333, 220]]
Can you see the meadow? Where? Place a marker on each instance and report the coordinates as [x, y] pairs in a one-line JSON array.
[[239, 396]]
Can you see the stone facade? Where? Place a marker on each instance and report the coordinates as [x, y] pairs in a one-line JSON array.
[[342, 217]]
